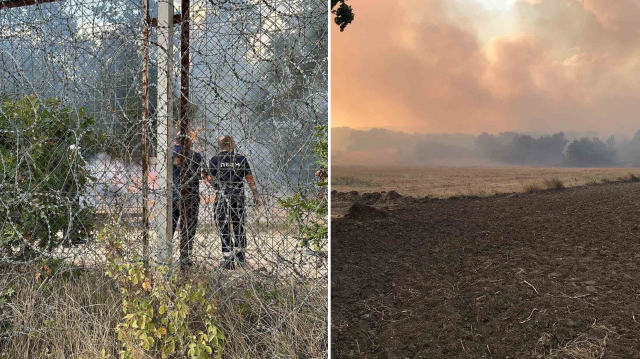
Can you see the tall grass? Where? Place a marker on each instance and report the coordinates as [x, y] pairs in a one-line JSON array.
[[629, 177], [553, 183], [546, 184], [57, 317], [60, 317], [531, 187]]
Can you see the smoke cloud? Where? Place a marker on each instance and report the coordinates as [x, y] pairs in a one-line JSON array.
[[446, 66]]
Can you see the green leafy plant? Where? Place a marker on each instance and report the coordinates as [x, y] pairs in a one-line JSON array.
[[310, 213], [163, 315], [43, 151], [6, 294]]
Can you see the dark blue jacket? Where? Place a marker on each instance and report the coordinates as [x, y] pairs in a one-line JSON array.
[[194, 161], [228, 170]]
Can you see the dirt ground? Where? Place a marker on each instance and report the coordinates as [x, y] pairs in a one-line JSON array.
[[552, 274], [444, 182]]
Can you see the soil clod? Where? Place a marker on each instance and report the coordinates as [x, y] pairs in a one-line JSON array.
[[362, 211]]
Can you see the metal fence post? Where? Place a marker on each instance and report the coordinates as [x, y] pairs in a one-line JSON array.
[[163, 218]]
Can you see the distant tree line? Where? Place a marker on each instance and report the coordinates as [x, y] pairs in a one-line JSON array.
[[514, 148], [571, 149], [629, 151], [556, 150]]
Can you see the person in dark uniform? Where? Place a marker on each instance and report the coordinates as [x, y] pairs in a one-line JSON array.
[[186, 198], [71, 188], [227, 172]]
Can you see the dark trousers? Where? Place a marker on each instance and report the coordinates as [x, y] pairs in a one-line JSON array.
[[188, 224], [230, 210]]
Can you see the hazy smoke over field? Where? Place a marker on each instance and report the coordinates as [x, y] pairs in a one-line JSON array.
[[482, 65], [569, 149]]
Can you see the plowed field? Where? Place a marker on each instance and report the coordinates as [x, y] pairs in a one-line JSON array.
[[552, 274]]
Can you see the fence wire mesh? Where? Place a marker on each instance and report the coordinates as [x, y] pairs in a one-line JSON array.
[[110, 116]]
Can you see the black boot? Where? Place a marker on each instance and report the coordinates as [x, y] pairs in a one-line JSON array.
[[186, 264], [227, 263], [240, 258]]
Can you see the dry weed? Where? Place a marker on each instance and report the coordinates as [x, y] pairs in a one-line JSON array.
[[629, 177], [553, 183], [584, 346], [532, 187], [58, 317], [54, 317], [264, 320]]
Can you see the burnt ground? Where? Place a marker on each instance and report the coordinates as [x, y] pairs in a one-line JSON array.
[[553, 274]]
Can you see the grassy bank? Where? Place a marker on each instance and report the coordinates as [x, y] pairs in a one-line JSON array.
[[72, 314]]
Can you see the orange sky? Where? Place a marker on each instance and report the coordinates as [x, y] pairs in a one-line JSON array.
[[488, 65]]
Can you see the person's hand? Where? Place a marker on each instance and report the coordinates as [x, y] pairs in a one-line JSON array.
[[208, 199], [257, 201]]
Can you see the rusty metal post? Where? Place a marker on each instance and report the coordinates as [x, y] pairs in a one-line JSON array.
[[145, 134], [184, 69], [185, 221]]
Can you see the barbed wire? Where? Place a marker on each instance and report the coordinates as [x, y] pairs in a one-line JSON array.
[[73, 129]]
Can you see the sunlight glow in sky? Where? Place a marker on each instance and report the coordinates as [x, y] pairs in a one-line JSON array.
[[498, 5], [489, 65]]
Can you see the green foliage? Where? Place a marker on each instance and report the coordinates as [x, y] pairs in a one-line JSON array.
[[310, 213], [43, 151], [321, 149], [163, 316], [6, 294]]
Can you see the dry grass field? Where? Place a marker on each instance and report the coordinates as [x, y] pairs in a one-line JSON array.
[[444, 182]]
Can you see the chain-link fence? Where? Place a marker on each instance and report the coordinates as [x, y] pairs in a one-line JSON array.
[[95, 98]]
